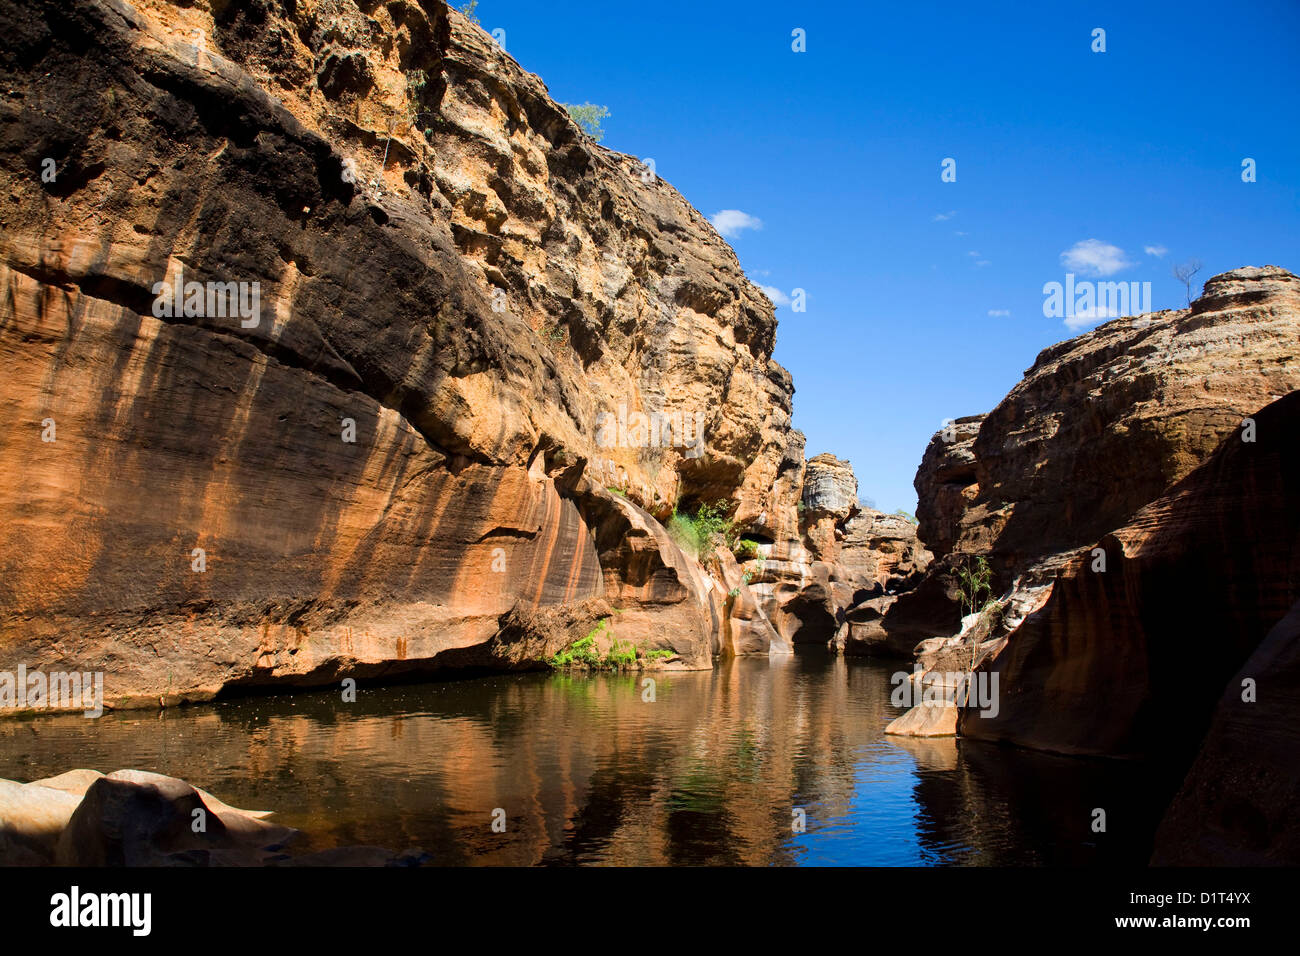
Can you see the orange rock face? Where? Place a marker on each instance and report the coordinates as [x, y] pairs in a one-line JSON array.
[[370, 426]]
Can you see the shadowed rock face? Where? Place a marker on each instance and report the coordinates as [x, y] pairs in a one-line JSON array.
[[1131, 622], [1237, 805], [404, 442], [1131, 660], [1106, 422], [947, 483]]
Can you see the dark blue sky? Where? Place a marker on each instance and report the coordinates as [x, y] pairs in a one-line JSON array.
[[837, 152]]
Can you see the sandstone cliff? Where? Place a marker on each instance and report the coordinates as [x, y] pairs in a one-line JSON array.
[[840, 554], [427, 417], [1100, 426]]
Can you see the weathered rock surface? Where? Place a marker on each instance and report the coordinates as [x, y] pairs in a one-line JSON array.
[[947, 483], [32, 818], [1101, 425], [937, 719], [893, 625], [457, 289], [829, 487], [841, 554], [1138, 499], [84, 818], [882, 552], [136, 818], [1105, 423]]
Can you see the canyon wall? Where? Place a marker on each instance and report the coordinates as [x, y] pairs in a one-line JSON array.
[[476, 360], [1100, 426], [1137, 499]]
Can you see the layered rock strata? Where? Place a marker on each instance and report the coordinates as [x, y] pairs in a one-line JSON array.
[[331, 340], [1100, 426]]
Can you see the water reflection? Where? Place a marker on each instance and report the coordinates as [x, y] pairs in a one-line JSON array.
[[588, 772]]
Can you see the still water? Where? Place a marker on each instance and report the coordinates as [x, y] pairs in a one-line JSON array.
[[588, 772]]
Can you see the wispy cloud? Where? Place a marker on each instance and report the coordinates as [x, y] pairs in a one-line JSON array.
[[999, 313], [776, 295], [732, 222], [1157, 251], [1094, 257], [1088, 318], [944, 216]]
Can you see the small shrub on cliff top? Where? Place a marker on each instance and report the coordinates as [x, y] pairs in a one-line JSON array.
[[468, 9], [588, 116]]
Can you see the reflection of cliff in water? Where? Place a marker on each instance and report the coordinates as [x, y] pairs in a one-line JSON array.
[[589, 772], [1042, 804]]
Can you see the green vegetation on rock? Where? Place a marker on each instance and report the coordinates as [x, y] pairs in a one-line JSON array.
[[588, 116], [974, 580], [694, 533], [622, 654]]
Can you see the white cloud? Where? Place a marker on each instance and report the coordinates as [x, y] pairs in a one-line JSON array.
[[1094, 257], [1088, 318], [1157, 251], [944, 216], [996, 313], [982, 262], [958, 232], [732, 222], [776, 295]]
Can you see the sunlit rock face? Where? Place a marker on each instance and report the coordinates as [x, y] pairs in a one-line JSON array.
[[457, 331], [1100, 426]]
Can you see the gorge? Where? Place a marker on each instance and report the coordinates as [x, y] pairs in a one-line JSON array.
[[404, 469]]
